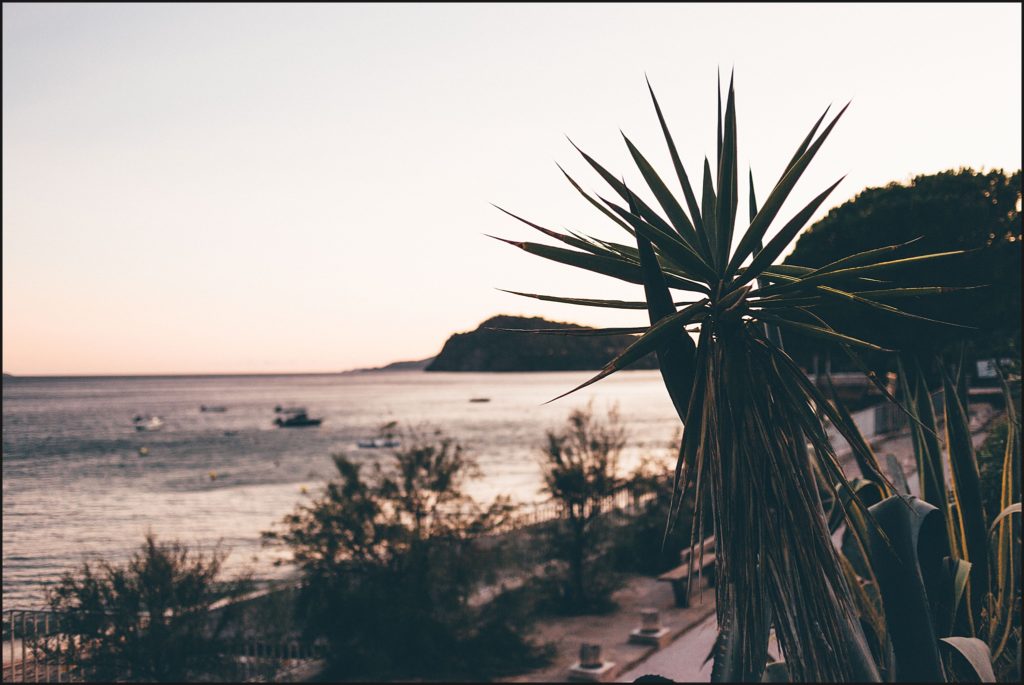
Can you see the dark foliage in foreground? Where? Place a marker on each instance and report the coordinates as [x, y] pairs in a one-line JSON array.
[[391, 562], [148, 619]]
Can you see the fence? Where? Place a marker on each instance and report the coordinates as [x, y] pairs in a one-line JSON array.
[[627, 499], [34, 647], [37, 649]]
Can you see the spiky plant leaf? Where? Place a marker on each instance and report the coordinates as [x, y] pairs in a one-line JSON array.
[[970, 532], [610, 304], [753, 445]]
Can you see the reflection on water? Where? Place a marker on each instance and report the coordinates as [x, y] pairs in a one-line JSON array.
[[79, 480]]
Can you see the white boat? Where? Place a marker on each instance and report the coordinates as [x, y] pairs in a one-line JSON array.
[[147, 423], [376, 443]]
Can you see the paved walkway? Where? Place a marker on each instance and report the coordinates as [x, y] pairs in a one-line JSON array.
[[611, 631]]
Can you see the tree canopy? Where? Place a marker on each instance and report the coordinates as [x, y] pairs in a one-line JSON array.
[[953, 210]]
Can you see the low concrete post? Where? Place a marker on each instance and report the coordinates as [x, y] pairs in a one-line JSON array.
[[591, 668], [650, 632]]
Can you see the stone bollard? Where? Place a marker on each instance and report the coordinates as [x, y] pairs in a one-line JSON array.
[[590, 655], [590, 667], [650, 632]]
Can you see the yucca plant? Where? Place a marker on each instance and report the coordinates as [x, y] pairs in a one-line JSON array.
[[753, 440]]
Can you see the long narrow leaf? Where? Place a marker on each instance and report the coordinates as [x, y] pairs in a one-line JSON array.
[[777, 245], [610, 304], [616, 268], [645, 211], [759, 226], [667, 201], [969, 517], [727, 185], [654, 336], [684, 181]]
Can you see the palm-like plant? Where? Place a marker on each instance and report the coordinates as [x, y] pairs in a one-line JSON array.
[[753, 440]]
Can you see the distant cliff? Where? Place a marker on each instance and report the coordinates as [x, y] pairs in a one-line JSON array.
[[417, 365], [487, 350]]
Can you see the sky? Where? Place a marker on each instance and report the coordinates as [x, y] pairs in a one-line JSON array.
[[307, 188]]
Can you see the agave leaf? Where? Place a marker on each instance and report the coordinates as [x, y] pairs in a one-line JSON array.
[[610, 304], [603, 209], [853, 297], [646, 212], [649, 341], [840, 274], [896, 475], [868, 468], [667, 201], [861, 257], [684, 181], [759, 226], [607, 266], [668, 243], [1008, 511], [806, 142], [686, 463], [914, 292], [972, 653], [960, 576], [782, 239], [676, 360], [727, 186], [823, 333], [970, 531], [898, 567], [869, 606], [707, 210], [771, 330], [798, 384], [776, 672], [568, 240]]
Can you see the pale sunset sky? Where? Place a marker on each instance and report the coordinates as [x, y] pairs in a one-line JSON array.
[[271, 188]]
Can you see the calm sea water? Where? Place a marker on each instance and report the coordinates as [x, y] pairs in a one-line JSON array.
[[76, 487]]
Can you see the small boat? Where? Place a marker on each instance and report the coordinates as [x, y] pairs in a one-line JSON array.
[[289, 410], [376, 443], [150, 423], [295, 419], [480, 399], [218, 408]]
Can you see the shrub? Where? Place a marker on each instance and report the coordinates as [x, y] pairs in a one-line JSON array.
[[580, 467], [651, 542], [391, 563], [147, 619]]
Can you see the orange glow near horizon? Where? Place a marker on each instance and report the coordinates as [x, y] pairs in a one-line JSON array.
[[270, 188]]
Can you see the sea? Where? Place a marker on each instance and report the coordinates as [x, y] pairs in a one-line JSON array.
[[81, 484]]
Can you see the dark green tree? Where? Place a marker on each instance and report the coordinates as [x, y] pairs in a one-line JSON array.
[[391, 561], [580, 466], [952, 210], [149, 618]]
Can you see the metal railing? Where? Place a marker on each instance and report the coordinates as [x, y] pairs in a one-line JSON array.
[[37, 648]]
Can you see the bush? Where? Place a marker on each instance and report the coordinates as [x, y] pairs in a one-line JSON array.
[[147, 619], [643, 545], [391, 564], [580, 466]]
